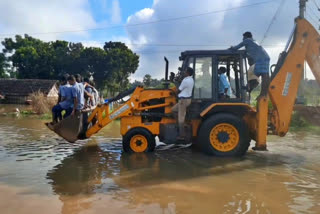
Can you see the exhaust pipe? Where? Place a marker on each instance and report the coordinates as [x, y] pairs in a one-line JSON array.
[[167, 69]]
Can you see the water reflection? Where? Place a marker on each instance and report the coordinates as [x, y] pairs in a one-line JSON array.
[[177, 180], [94, 176]]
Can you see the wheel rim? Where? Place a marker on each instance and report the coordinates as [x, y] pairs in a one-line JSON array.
[[139, 143], [224, 137]]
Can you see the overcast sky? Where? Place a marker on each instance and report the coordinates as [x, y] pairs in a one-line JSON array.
[[71, 19]]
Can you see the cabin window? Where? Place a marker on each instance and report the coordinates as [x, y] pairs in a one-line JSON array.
[[203, 78]]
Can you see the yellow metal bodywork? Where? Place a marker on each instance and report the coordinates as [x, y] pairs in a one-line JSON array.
[[230, 143], [139, 143], [212, 106], [130, 111]]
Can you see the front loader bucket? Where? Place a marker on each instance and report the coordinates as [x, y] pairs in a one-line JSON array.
[[70, 128]]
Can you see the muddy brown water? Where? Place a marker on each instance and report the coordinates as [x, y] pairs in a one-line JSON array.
[[41, 173]]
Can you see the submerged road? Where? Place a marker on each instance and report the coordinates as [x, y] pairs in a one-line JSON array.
[[41, 173]]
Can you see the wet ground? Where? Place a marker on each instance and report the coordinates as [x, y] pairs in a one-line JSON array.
[[41, 173]]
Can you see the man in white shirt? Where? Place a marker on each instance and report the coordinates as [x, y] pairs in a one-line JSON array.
[[184, 96]]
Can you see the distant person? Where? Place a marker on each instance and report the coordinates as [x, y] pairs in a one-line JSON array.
[[224, 85], [261, 60], [78, 78], [90, 90], [184, 97], [77, 95], [64, 100]]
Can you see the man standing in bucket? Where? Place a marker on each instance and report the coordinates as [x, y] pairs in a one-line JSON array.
[[260, 58]]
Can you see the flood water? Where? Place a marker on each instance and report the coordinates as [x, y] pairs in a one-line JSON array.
[[41, 173]]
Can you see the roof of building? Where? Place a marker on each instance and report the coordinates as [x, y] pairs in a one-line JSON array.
[[24, 87]]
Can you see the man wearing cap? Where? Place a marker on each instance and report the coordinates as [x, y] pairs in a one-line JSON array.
[[260, 58], [184, 96]]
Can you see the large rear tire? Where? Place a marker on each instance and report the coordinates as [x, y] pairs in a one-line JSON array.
[[138, 140], [224, 135]]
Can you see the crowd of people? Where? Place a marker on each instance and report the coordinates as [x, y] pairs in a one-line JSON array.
[[75, 95]]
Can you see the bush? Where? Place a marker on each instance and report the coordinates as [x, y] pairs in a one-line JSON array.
[[41, 104]]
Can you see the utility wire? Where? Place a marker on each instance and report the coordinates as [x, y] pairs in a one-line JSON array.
[[145, 23], [316, 4], [314, 13], [273, 20], [179, 45], [315, 21]]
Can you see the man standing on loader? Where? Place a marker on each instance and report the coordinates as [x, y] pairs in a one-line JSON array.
[[184, 97], [260, 58]]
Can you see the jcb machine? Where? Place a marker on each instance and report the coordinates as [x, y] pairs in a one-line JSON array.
[[218, 126]]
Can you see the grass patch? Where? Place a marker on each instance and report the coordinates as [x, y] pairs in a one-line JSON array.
[[41, 104], [31, 114], [299, 123]]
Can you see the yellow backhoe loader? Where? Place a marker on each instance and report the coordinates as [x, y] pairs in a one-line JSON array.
[[218, 126]]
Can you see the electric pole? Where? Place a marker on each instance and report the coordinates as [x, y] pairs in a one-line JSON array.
[[302, 7]]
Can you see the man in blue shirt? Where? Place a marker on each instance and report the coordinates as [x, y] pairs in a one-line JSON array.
[[260, 59], [77, 91], [64, 100], [224, 85]]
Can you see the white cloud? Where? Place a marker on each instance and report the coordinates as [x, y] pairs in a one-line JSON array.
[[92, 43], [115, 12], [224, 28], [34, 16]]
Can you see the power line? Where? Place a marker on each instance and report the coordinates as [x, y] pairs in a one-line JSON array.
[[314, 13], [146, 23], [315, 21], [316, 4], [183, 45], [272, 20]]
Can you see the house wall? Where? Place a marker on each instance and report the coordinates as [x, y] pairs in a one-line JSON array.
[[14, 100]]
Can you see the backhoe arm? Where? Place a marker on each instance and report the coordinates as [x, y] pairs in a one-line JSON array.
[[285, 82]]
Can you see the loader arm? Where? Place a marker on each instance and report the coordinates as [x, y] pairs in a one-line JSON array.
[[101, 116], [285, 81]]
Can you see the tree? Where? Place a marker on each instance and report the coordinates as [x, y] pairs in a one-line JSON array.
[[147, 80], [122, 62], [35, 59], [31, 57], [3, 66]]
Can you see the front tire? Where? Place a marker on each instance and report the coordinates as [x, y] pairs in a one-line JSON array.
[[138, 140], [224, 135]]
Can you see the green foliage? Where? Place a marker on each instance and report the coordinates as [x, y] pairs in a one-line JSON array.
[[311, 92], [299, 123], [147, 80], [3, 66], [36, 59]]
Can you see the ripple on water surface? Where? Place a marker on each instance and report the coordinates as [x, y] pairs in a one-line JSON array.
[[93, 174]]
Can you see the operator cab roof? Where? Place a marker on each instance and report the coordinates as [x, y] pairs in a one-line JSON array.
[[210, 53]]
